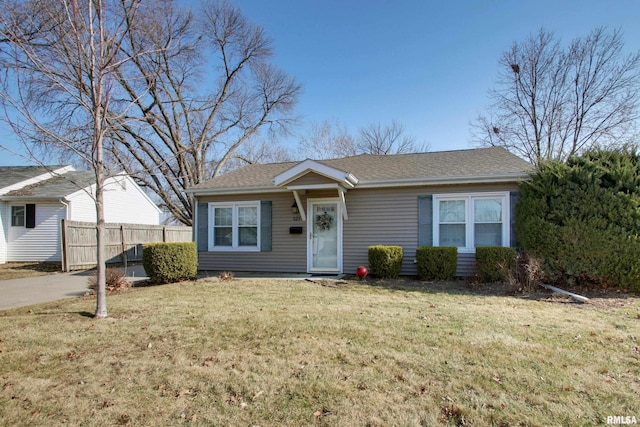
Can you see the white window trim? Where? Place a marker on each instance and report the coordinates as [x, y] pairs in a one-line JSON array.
[[24, 215], [234, 246], [469, 198]]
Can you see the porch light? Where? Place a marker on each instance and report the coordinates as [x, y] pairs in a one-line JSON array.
[[294, 207]]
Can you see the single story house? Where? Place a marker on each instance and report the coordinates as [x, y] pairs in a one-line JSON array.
[[321, 216], [34, 200]]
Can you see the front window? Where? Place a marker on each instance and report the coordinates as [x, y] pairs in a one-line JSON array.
[[487, 222], [17, 216], [453, 223], [470, 220], [234, 226]]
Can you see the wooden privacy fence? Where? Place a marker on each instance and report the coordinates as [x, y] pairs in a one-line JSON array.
[[123, 242]]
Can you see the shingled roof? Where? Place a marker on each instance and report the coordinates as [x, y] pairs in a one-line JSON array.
[[460, 165], [56, 187], [10, 175]]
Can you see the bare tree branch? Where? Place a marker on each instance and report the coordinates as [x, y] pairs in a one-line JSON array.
[[387, 139], [188, 128], [553, 102], [58, 61]]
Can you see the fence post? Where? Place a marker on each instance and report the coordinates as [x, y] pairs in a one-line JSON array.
[[65, 247], [123, 247], [164, 234]]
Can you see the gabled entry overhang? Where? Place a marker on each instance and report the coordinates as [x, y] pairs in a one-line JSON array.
[[342, 182], [343, 178]]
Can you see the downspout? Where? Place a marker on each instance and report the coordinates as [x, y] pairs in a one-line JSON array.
[[64, 203], [194, 219]]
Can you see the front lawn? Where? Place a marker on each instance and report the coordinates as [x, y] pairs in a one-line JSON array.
[[291, 352]]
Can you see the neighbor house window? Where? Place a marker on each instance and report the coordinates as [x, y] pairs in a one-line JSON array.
[[17, 216], [469, 220], [234, 226]]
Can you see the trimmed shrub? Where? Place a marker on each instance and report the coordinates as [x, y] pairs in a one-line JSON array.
[[170, 262], [437, 262], [495, 263], [385, 261]]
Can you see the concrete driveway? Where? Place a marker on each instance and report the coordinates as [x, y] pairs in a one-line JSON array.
[[35, 290]]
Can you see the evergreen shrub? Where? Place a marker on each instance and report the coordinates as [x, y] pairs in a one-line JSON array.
[[170, 262], [582, 218], [385, 261], [437, 262], [495, 263]]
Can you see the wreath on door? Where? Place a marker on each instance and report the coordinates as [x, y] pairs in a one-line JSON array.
[[324, 222]]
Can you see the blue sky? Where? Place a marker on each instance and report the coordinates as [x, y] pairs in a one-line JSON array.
[[426, 64]]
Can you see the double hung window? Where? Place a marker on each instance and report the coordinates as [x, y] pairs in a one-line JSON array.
[[469, 220], [234, 226], [17, 216]]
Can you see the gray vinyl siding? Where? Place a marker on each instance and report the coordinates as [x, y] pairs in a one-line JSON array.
[[466, 265], [387, 216], [288, 251], [312, 178]]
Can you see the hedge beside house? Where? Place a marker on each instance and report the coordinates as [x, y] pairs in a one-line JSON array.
[[494, 263], [385, 261], [583, 218], [437, 262]]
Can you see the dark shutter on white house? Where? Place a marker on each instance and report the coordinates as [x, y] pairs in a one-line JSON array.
[[425, 220], [30, 216]]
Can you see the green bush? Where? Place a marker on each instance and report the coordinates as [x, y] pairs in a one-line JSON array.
[[385, 261], [437, 262], [494, 263], [582, 218], [170, 262]]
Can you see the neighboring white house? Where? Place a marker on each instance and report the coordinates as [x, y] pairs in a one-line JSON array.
[[34, 200]]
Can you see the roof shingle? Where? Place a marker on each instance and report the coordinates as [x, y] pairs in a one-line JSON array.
[[368, 167], [58, 186], [10, 175]]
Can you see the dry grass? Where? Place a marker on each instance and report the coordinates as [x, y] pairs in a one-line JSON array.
[[18, 270], [278, 352]]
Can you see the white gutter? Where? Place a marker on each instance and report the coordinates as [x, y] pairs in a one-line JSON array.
[[416, 182]]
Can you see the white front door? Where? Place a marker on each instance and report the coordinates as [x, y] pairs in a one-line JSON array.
[[324, 244]]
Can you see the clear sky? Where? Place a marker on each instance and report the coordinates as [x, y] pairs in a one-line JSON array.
[[427, 64]]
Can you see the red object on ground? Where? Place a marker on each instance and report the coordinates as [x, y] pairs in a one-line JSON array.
[[361, 272]]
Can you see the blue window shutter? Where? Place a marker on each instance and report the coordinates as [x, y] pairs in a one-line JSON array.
[[513, 201], [202, 236], [265, 226], [30, 216], [425, 220]]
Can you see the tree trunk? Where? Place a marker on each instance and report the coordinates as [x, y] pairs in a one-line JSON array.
[[101, 279]]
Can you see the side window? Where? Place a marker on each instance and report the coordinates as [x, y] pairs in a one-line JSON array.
[[17, 216]]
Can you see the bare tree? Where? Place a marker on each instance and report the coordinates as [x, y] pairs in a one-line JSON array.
[[261, 151], [387, 139], [553, 102], [58, 61], [209, 90], [327, 140]]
